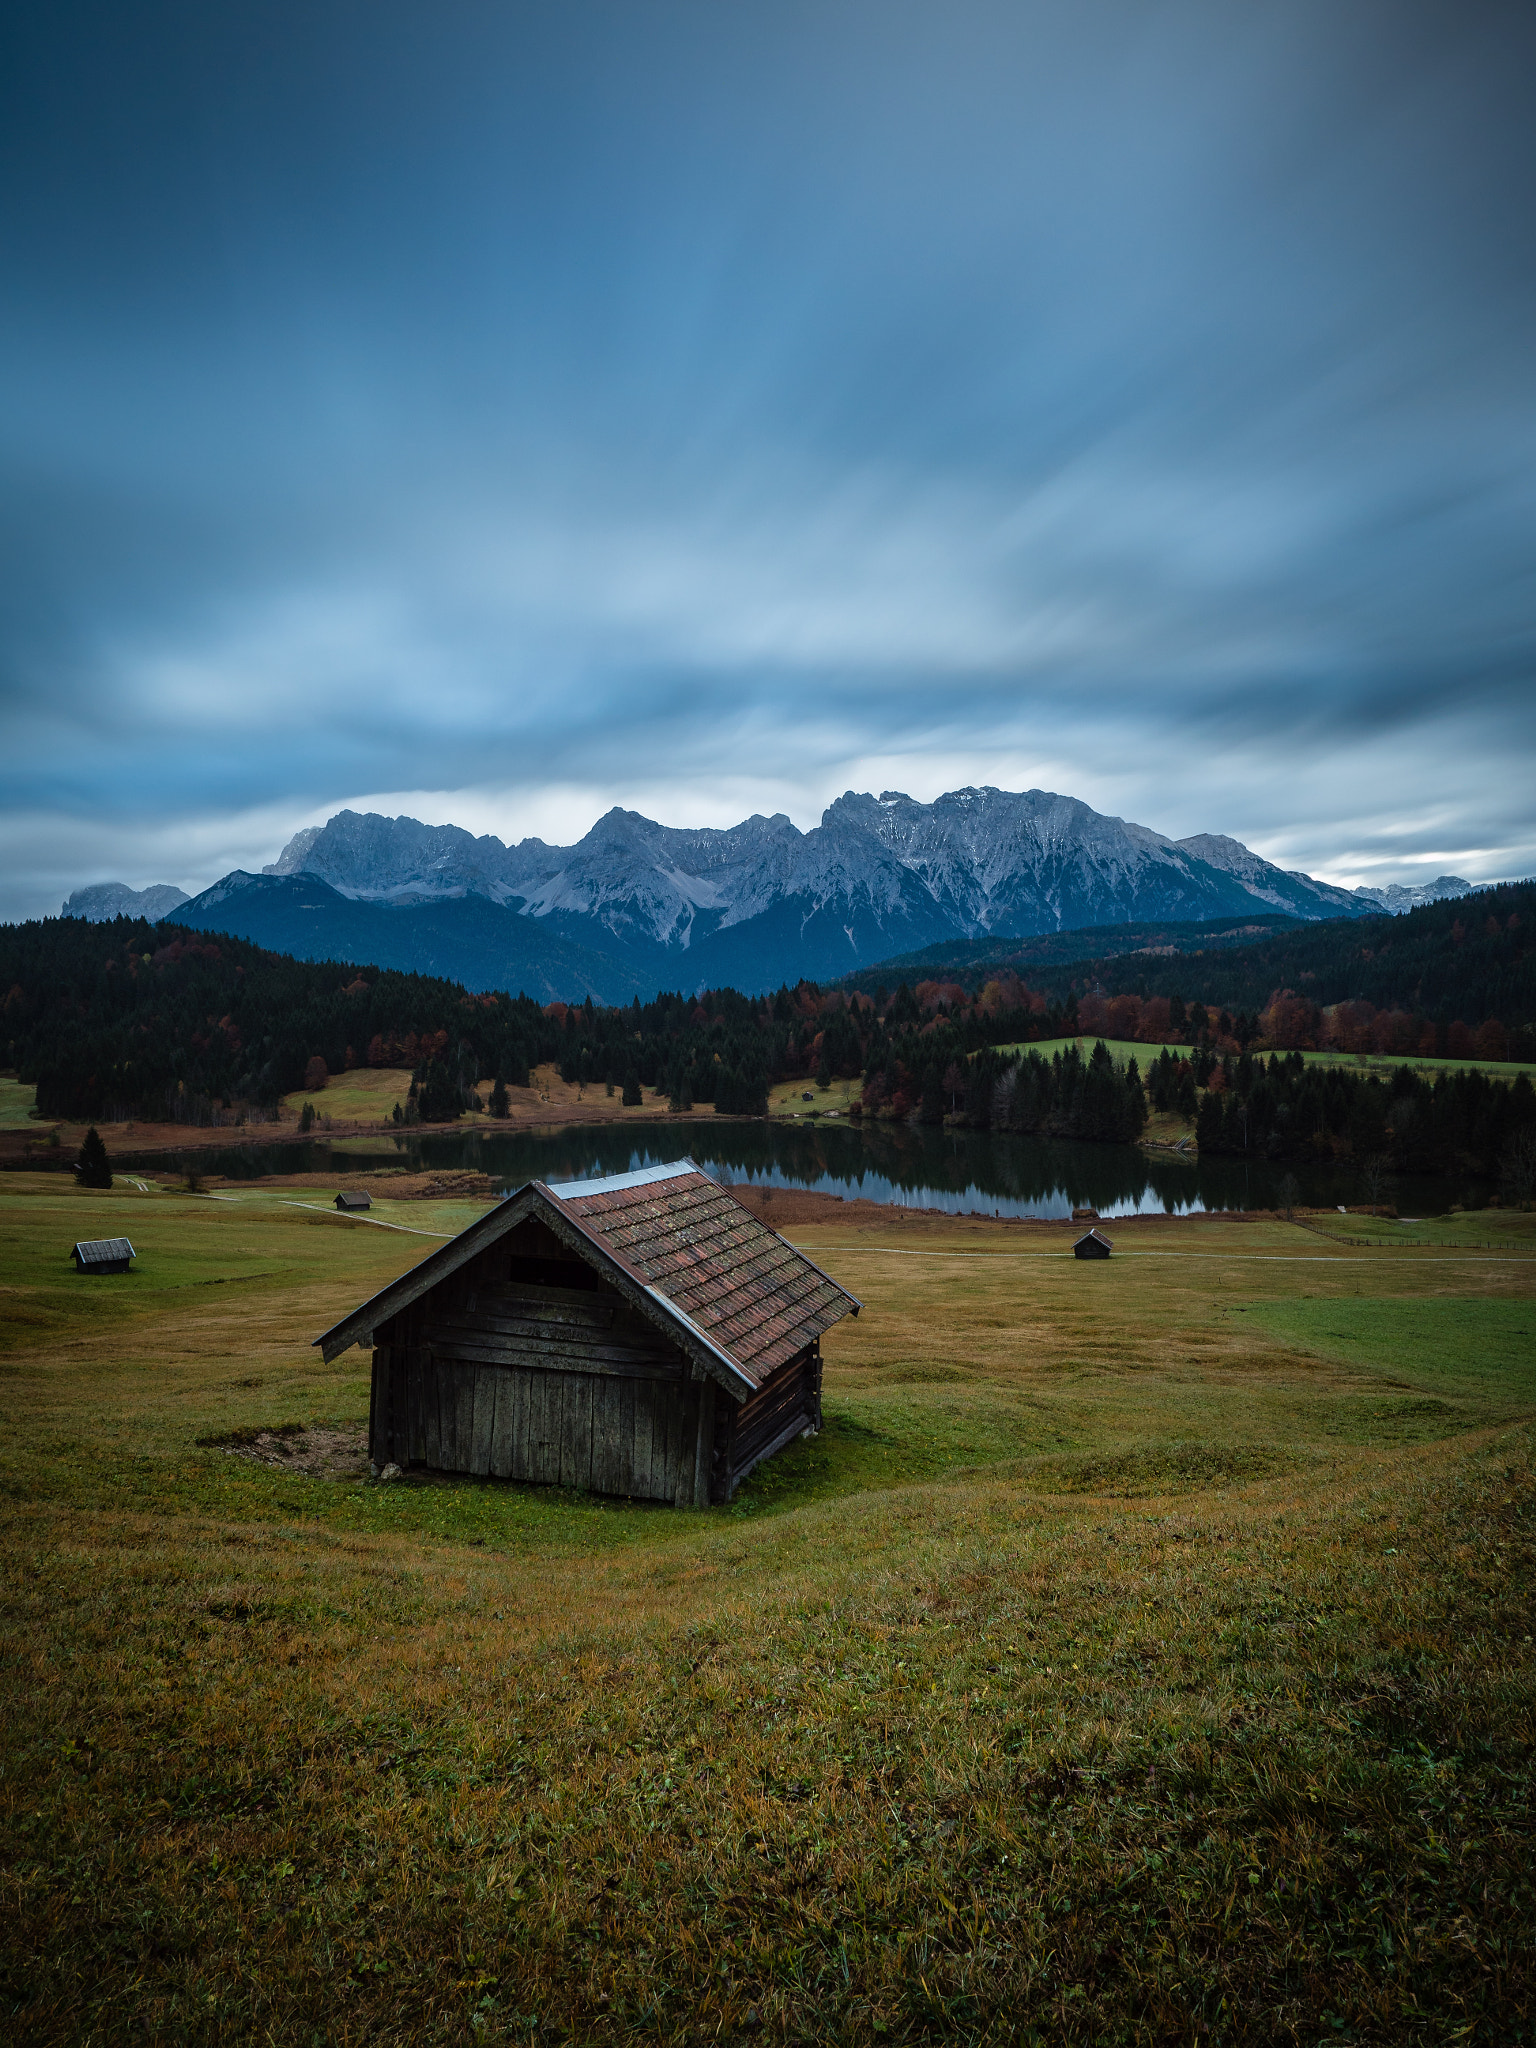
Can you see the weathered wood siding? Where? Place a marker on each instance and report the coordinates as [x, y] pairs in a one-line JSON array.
[[782, 1409], [527, 1378]]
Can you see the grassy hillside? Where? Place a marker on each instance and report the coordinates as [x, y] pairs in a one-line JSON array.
[[1141, 1653]]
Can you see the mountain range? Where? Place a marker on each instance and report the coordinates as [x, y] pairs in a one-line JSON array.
[[636, 905], [103, 901]]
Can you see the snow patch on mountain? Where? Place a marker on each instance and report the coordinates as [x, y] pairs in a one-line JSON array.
[[888, 871]]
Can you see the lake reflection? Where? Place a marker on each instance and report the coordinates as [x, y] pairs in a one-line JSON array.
[[957, 1171]]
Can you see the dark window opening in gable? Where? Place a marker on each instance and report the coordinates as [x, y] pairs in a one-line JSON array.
[[537, 1272]]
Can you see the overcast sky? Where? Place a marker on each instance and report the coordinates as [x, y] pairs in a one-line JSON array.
[[498, 412]]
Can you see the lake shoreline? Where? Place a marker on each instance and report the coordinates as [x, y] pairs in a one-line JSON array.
[[901, 1166]]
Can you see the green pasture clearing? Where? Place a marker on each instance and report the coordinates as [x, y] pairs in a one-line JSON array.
[[787, 1098], [1124, 1049], [18, 1100], [1422, 1063], [1466, 1229], [1121, 1050], [1455, 1352], [1142, 1653], [362, 1095]]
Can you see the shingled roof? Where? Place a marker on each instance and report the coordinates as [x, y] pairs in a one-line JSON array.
[[102, 1251], [751, 1294], [723, 1285]]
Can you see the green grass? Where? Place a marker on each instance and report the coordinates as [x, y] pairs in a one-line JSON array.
[[1470, 1229], [1426, 1064], [18, 1099], [1123, 1049], [363, 1095], [1142, 1653], [787, 1098], [1477, 1359]]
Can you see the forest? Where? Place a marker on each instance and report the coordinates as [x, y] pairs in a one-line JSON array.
[[132, 1021], [129, 1020], [1467, 961], [1282, 1108]]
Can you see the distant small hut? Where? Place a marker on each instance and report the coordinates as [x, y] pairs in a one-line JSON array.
[[354, 1198], [103, 1255], [1093, 1244], [642, 1335]]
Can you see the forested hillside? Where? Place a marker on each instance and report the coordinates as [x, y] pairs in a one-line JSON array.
[[113, 1021], [129, 1019], [1468, 960], [469, 940]]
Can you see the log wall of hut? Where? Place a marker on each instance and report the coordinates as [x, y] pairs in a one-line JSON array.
[[783, 1408], [524, 1365]]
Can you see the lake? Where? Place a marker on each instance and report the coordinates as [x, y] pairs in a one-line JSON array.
[[958, 1171]]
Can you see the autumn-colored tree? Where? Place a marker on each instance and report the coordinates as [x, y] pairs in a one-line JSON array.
[[316, 1074]]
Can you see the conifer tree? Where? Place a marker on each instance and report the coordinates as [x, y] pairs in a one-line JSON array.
[[92, 1170]]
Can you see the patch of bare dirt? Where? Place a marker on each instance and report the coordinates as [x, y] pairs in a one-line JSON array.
[[323, 1452]]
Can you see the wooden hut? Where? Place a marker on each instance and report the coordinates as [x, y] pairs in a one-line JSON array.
[[354, 1198], [103, 1255], [1093, 1244], [641, 1335]]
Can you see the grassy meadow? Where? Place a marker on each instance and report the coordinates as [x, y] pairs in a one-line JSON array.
[[787, 1098], [361, 1095], [1385, 1064], [367, 1095], [1141, 1653], [18, 1099]]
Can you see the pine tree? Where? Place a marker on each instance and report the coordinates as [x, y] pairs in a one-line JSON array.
[[1208, 1132], [93, 1170], [438, 1097], [631, 1087], [499, 1098]]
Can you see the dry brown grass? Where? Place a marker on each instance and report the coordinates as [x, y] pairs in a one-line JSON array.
[[1124, 1662]]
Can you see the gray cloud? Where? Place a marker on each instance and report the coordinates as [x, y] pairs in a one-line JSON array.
[[539, 409]]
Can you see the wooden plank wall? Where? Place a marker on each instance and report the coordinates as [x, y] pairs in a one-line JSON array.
[[559, 1386], [783, 1407]]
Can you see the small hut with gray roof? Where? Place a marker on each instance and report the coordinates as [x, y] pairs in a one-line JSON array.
[[643, 1335]]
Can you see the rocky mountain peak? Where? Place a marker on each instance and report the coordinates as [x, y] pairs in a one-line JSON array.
[[101, 901], [878, 875]]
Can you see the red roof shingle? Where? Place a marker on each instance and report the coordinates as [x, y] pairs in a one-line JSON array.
[[754, 1296]]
